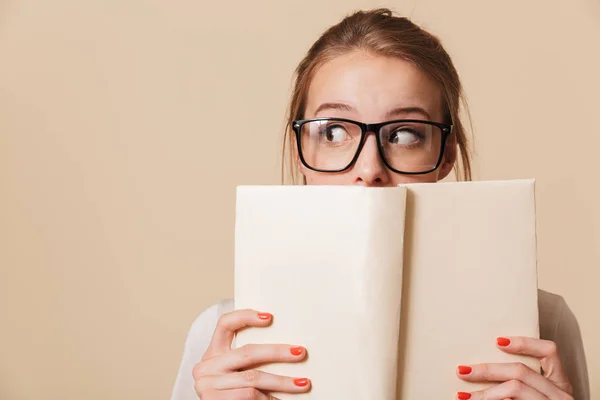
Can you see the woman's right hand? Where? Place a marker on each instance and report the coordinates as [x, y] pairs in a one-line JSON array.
[[226, 373]]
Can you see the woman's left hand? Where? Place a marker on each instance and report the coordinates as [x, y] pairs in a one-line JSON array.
[[517, 381]]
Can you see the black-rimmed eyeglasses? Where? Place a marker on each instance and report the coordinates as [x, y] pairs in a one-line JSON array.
[[406, 146]]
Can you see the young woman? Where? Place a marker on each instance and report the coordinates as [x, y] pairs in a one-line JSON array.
[[376, 103]]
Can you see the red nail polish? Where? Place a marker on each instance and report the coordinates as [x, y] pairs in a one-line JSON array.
[[464, 370], [503, 342], [301, 382], [296, 351], [464, 396], [264, 315]]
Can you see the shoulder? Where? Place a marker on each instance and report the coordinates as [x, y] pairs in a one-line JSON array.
[[201, 331], [559, 324], [197, 341], [550, 307], [554, 315]]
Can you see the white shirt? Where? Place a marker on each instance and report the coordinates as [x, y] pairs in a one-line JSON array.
[[557, 323]]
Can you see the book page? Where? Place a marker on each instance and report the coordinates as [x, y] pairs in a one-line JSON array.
[[469, 276], [326, 261]]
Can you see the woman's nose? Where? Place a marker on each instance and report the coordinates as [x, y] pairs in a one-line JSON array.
[[369, 169]]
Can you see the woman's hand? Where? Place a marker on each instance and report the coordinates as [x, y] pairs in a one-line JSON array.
[[517, 381], [226, 374]]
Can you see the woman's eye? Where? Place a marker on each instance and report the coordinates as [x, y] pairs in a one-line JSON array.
[[404, 137], [335, 134]]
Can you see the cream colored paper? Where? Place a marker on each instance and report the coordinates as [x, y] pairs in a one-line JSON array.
[[327, 262], [469, 276]]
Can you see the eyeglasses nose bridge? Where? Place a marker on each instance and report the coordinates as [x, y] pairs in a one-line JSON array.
[[369, 129]]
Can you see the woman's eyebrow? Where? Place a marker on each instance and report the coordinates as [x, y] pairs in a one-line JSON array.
[[395, 112], [334, 106], [399, 111]]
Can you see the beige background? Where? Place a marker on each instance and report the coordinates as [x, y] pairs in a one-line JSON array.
[[126, 125]]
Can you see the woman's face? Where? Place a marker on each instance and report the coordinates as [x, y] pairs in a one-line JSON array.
[[370, 89]]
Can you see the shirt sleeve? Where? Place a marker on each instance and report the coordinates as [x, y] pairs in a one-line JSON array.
[[197, 341], [570, 347]]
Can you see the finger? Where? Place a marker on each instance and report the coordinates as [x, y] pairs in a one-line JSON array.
[[509, 372], [244, 393], [514, 390], [538, 348], [260, 380], [546, 351], [229, 324], [252, 355]]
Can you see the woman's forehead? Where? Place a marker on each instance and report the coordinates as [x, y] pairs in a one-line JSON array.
[[372, 86]]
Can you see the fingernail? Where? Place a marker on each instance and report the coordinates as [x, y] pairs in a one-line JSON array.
[[464, 396], [296, 351], [503, 342], [463, 370], [301, 382], [264, 315]]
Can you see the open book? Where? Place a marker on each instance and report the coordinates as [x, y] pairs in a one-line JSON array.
[[389, 289]]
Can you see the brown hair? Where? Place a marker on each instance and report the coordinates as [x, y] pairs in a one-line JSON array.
[[380, 32]]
